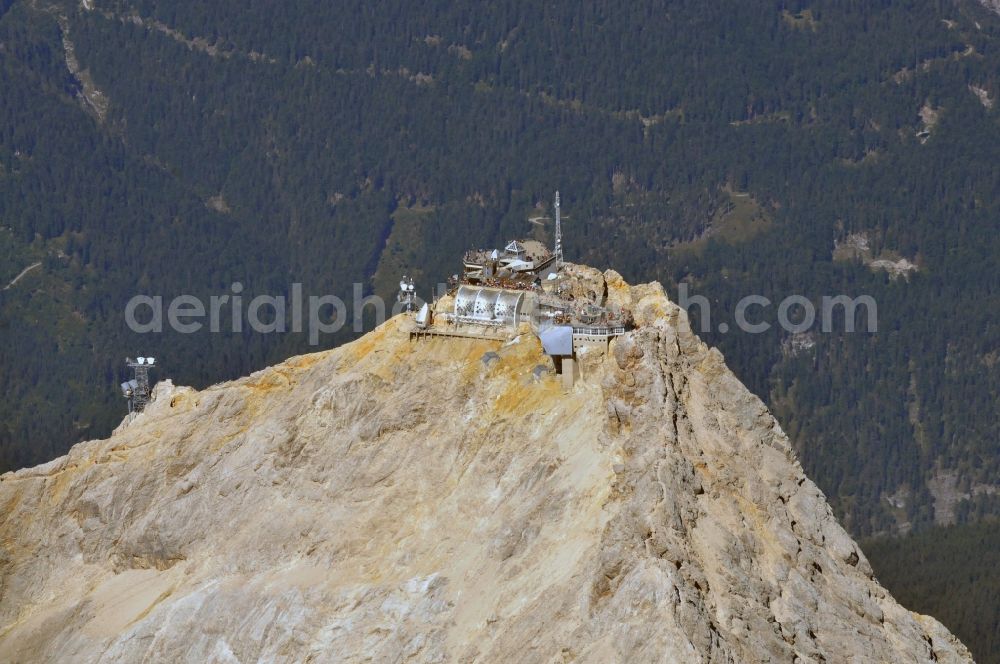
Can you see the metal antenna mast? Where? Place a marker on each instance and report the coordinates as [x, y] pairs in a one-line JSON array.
[[407, 294], [558, 248], [137, 390]]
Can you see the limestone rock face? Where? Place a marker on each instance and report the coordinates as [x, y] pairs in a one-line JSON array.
[[393, 500]]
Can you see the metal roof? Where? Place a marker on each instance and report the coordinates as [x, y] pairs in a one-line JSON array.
[[494, 306], [557, 339]]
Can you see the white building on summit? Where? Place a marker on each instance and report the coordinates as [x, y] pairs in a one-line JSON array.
[[527, 286], [480, 305]]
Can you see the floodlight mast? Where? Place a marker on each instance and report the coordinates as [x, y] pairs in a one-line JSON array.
[[138, 391], [407, 294]]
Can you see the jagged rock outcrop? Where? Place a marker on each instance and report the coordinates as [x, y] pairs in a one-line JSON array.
[[392, 500]]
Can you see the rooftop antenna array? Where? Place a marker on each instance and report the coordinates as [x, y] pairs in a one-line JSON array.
[[407, 293], [558, 248], [137, 390]]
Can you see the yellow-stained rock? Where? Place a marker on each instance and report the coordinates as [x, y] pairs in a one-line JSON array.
[[393, 500]]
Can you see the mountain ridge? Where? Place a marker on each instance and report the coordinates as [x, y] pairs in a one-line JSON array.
[[394, 498]]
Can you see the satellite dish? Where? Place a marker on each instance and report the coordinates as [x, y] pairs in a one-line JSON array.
[[150, 360], [140, 360]]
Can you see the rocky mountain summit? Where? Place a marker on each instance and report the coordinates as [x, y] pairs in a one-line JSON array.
[[443, 500]]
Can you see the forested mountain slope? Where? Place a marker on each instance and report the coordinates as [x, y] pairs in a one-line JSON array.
[[764, 147], [950, 573]]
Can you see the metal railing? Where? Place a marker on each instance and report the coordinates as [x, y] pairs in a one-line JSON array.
[[599, 331]]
